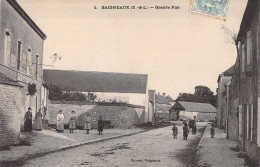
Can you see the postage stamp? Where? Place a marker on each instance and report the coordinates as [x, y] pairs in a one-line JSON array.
[[215, 8]]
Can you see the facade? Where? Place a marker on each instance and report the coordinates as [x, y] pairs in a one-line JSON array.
[[232, 95], [162, 106], [159, 105], [21, 52], [248, 111], [223, 79], [128, 89], [182, 110]]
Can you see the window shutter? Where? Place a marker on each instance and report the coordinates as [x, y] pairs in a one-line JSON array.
[[243, 57], [249, 48], [252, 120]]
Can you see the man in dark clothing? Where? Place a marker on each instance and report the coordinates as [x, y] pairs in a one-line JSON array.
[[100, 125], [212, 131], [174, 131], [194, 127]]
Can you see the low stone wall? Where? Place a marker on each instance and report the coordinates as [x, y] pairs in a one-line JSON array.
[[120, 115]]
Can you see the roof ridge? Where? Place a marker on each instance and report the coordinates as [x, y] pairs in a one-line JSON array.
[[94, 71]]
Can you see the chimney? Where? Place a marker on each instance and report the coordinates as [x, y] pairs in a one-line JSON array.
[[163, 94]]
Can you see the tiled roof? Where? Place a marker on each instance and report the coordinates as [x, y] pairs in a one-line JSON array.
[[161, 99], [229, 71], [162, 107], [197, 107], [169, 98], [8, 81], [89, 81]]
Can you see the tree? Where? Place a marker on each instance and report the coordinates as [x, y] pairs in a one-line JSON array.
[[202, 95], [91, 96], [56, 93]]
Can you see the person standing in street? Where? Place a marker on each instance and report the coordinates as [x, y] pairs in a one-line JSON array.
[[194, 127], [87, 125], [174, 131], [72, 121], [28, 120], [185, 131], [60, 124], [212, 131], [38, 125], [100, 125]]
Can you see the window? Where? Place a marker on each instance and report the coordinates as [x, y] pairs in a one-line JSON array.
[[19, 54], [249, 48], [243, 63], [29, 62], [24, 62], [247, 122], [7, 49], [252, 120], [36, 66]]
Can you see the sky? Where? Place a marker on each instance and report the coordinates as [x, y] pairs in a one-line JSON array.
[[176, 48]]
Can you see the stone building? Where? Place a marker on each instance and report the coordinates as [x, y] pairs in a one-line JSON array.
[[183, 110], [162, 105], [223, 79], [159, 105], [232, 96], [247, 83], [21, 52]]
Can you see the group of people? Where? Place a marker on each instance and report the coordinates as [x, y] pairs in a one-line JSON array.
[[72, 123], [186, 130], [28, 120]]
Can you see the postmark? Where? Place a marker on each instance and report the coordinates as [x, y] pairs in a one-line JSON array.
[[214, 8]]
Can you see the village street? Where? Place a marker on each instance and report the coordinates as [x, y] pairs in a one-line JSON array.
[[152, 148]]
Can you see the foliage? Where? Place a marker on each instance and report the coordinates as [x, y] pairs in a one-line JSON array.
[[91, 96], [116, 100], [31, 89], [202, 95], [231, 36], [56, 93]]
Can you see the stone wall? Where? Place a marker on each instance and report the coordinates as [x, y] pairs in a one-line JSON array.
[[120, 115], [9, 115], [221, 101], [233, 119]]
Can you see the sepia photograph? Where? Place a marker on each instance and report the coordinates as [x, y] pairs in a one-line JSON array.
[[129, 83]]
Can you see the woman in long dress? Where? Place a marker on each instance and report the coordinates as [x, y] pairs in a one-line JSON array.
[[60, 124], [28, 120], [87, 125], [38, 125], [72, 121]]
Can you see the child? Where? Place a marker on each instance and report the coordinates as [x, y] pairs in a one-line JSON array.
[[100, 125], [87, 125], [174, 131], [72, 121], [212, 131], [185, 131]]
